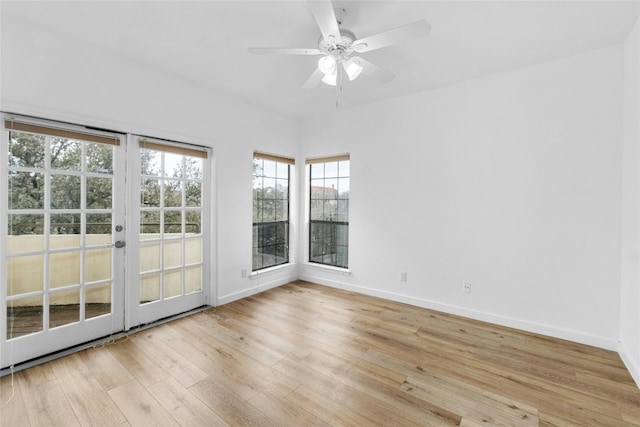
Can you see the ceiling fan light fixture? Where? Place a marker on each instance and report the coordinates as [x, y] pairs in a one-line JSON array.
[[327, 64], [330, 79], [352, 68], [336, 45]]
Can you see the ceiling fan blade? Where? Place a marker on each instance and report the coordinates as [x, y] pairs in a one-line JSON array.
[[326, 20], [396, 35], [314, 80], [283, 51], [370, 69]]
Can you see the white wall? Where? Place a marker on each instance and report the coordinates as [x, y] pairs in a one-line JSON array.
[[511, 182], [52, 76], [630, 284]]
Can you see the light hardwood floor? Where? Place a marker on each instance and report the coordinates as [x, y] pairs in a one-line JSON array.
[[304, 354]]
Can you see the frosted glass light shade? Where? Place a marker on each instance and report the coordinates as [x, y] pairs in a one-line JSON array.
[[327, 64], [352, 68], [330, 79]]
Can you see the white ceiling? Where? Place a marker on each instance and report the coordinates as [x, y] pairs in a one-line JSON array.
[[206, 41]]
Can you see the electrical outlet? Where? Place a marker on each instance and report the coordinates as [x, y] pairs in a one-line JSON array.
[[243, 273], [403, 276], [466, 287]]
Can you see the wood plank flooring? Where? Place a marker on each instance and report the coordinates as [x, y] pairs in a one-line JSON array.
[[308, 355]]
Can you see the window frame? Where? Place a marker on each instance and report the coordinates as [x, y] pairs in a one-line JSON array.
[[279, 259], [335, 240]]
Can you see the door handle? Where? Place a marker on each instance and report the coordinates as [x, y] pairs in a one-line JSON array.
[[119, 244]]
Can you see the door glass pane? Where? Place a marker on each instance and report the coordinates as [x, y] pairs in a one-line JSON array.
[[64, 241], [99, 193], [193, 194], [193, 251], [150, 162], [173, 165], [97, 300], [173, 222], [97, 265], [172, 253], [64, 308], [99, 158], [150, 225], [193, 168], [149, 288], [26, 190], [149, 256], [172, 193], [24, 274], [26, 150], [65, 192], [25, 233], [172, 283], [66, 154], [150, 192], [193, 222], [98, 229], [24, 316], [193, 279], [64, 231], [64, 269]]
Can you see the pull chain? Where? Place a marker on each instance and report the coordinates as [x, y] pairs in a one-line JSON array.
[[338, 85]]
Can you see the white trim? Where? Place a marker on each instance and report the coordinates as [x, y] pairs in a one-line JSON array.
[[327, 268], [538, 328], [7, 349], [276, 276], [629, 362], [294, 216], [270, 270], [210, 206], [132, 188], [226, 299]]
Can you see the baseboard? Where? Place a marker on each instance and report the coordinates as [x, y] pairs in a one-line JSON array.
[[542, 329], [629, 362], [259, 285], [322, 280], [251, 291]]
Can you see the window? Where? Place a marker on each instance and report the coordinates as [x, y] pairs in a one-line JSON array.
[[270, 210], [329, 211]]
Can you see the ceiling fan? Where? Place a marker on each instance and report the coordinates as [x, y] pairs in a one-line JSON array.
[[339, 46]]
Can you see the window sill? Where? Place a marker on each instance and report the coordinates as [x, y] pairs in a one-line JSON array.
[[328, 268], [270, 270]]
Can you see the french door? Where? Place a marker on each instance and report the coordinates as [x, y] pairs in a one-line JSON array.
[[81, 207], [167, 275]]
